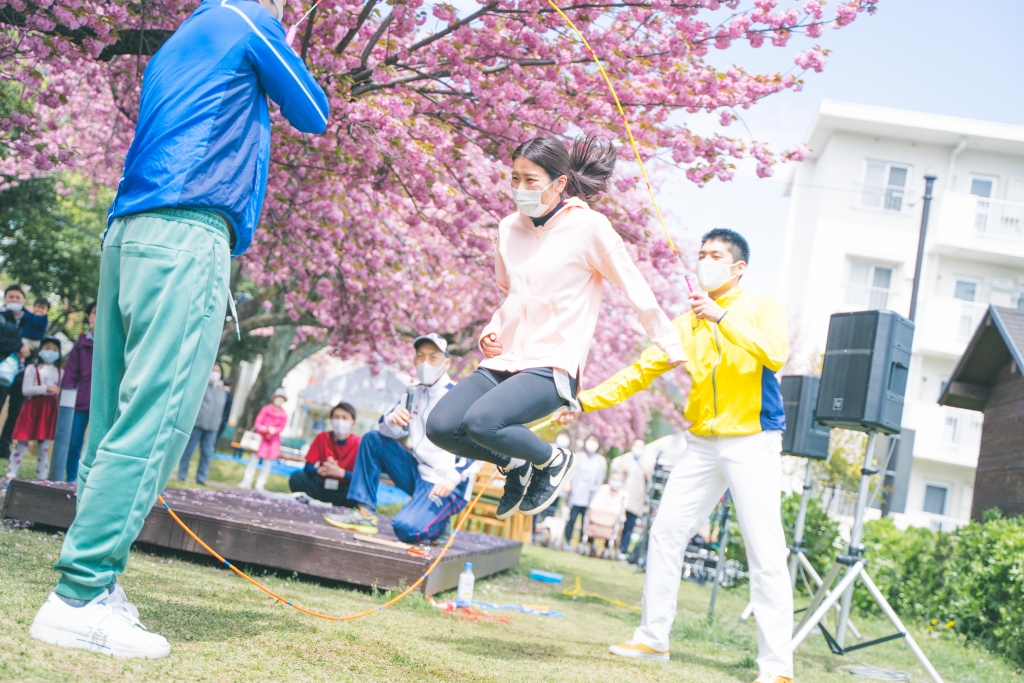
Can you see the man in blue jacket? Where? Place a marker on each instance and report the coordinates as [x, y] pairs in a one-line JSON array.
[[190, 196]]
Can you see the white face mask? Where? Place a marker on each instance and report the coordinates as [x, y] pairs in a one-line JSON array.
[[562, 441], [591, 447], [529, 201], [341, 428], [637, 451], [615, 484], [49, 356], [429, 374], [713, 275], [214, 376], [15, 307]]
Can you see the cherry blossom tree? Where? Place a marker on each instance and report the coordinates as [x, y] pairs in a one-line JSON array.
[[384, 226]]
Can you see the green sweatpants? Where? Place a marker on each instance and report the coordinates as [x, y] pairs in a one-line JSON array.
[[159, 315]]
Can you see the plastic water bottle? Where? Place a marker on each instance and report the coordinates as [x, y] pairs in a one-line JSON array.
[[464, 596]]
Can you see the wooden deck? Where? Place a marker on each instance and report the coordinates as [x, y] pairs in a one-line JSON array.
[[285, 535]]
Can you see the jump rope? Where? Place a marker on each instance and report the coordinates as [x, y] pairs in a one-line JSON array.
[[547, 423]]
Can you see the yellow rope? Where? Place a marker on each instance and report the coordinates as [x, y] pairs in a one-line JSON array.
[[578, 592], [625, 122]]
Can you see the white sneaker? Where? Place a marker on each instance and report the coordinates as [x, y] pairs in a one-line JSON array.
[[119, 601], [98, 627]]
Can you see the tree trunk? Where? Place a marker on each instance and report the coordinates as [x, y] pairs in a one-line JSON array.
[[279, 360]]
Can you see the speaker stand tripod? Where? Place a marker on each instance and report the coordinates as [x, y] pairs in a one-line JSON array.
[[856, 568], [798, 553]]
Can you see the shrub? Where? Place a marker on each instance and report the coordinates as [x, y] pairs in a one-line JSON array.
[[973, 577]]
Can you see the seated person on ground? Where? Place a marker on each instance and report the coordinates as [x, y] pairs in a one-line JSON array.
[[437, 481], [330, 460]]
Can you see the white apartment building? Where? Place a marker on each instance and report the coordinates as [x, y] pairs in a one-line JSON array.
[[851, 244]]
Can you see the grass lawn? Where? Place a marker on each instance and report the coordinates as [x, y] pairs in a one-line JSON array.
[[222, 629]]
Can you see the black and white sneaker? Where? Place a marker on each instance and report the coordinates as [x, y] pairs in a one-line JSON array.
[[516, 482], [546, 484]]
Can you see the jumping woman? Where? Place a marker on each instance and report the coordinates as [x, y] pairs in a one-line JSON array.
[[551, 260]]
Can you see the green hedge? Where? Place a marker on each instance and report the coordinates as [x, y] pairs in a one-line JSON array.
[[973, 577]]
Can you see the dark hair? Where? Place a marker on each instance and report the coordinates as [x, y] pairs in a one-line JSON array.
[[737, 245], [42, 300], [347, 407], [49, 340], [588, 164], [89, 308], [14, 288]]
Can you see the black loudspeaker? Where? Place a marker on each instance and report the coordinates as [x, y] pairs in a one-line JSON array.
[[864, 378], [803, 436]]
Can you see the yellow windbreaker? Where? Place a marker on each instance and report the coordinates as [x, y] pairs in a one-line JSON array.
[[732, 363]]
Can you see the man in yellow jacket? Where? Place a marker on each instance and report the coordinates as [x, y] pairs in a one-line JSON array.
[[735, 343]]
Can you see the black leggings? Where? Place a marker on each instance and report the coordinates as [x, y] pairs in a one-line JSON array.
[[482, 417]]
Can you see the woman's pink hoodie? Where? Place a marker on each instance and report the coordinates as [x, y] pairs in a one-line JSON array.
[[551, 277]]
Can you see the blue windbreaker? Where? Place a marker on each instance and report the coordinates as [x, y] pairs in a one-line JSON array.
[[202, 140]]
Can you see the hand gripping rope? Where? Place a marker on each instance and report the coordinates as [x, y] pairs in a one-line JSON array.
[[319, 615], [625, 122]]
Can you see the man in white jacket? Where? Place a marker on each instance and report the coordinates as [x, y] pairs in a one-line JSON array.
[[437, 480]]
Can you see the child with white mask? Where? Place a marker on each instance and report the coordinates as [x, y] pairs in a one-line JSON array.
[[437, 481], [37, 420], [269, 424]]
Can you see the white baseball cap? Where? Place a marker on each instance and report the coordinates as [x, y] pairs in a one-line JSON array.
[[435, 339]]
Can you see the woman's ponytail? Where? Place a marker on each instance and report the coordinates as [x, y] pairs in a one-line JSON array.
[[588, 164], [591, 163]]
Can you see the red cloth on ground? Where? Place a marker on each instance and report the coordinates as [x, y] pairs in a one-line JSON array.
[[324, 446]]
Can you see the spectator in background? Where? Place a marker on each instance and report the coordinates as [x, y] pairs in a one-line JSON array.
[[11, 345], [437, 481], [330, 460], [78, 375], [270, 422], [33, 327], [204, 433], [229, 401], [634, 478], [587, 478], [39, 419], [35, 324]]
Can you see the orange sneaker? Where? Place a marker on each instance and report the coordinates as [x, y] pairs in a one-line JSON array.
[[772, 678], [637, 650]]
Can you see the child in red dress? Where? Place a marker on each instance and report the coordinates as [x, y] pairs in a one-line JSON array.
[[38, 417]]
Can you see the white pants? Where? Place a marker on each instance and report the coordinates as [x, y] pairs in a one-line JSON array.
[[250, 473], [750, 467]]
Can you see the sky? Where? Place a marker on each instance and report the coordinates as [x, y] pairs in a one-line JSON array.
[[934, 56]]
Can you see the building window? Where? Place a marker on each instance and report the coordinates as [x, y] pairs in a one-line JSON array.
[[965, 290], [984, 189], [943, 383], [935, 498], [870, 286], [885, 186]]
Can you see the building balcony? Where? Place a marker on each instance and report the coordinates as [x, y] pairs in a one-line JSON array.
[[947, 435], [967, 226], [946, 324]]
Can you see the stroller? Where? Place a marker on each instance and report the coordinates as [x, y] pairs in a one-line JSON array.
[[605, 517]]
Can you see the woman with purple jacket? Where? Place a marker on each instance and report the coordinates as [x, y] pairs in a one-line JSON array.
[[78, 375]]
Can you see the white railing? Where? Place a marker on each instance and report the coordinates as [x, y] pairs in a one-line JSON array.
[[866, 297], [994, 218], [946, 324], [879, 196]]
